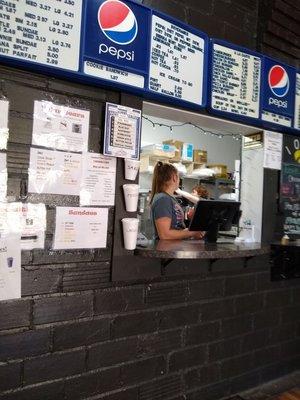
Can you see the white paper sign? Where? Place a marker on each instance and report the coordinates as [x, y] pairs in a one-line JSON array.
[[60, 127], [54, 172], [46, 32], [122, 134], [3, 177], [272, 150], [235, 81], [10, 267], [3, 124], [80, 228], [98, 180], [176, 62]]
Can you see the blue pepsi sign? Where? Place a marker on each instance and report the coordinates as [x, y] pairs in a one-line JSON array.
[[278, 92], [116, 35]]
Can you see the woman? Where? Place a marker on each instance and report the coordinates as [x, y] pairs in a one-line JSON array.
[[167, 215]]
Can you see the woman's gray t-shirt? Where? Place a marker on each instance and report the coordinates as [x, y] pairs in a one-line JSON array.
[[164, 205]]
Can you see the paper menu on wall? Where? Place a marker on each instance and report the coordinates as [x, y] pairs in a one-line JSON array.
[[54, 172], [60, 127], [80, 228], [10, 267], [272, 150], [98, 180], [3, 124], [3, 177]]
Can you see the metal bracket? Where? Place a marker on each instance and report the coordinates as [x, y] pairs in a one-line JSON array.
[[164, 263]]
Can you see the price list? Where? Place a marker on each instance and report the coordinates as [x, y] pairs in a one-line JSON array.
[[235, 82], [46, 32], [297, 102], [176, 62]]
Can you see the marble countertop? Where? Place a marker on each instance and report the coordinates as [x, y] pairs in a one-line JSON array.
[[197, 249]]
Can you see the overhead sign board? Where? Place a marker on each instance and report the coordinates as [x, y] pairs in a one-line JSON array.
[[235, 80], [278, 93]]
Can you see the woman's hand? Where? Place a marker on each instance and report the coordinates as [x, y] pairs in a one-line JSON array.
[[197, 234]]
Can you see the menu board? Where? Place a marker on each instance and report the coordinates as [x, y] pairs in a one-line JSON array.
[[289, 195], [176, 61], [235, 81], [41, 31], [297, 103]]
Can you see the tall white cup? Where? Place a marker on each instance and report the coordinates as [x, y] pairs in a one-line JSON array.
[[131, 195], [130, 231], [131, 168]]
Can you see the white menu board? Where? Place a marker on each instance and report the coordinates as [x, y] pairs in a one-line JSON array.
[[98, 180], [60, 127], [235, 82], [297, 103], [42, 31], [176, 62], [80, 228], [54, 172]]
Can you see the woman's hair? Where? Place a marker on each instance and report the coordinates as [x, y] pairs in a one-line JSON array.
[[163, 172], [201, 191]]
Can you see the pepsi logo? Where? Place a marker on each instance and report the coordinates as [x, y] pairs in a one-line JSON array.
[[279, 82], [117, 22]]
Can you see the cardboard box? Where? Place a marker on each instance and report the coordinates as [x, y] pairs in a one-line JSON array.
[[178, 148], [220, 170], [200, 156], [187, 152]]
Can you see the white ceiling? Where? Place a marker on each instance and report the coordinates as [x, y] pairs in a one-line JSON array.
[[213, 124]]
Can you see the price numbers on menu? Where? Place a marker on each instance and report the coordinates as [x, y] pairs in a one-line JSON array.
[[297, 103], [235, 81], [42, 31]]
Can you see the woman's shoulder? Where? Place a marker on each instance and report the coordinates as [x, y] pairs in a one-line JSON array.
[[161, 197]]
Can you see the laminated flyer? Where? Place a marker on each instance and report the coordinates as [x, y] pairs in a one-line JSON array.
[[3, 124], [60, 127], [80, 228], [10, 267], [3, 177], [54, 172], [98, 180]]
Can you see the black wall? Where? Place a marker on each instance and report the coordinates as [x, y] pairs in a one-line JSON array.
[[193, 334]]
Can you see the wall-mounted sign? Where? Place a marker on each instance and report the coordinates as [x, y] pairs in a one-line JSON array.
[[60, 127], [291, 150], [3, 124], [289, 196], [122, 135], [297, 103], [235, 86], [116, 44], [278, 93], [177, 61], [272, 150], [42, 32], [10, 267]]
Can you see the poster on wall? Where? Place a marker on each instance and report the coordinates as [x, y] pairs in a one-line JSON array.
[[3, 177], [98, 180], [60, 127], [177, 61], [42, 32], [297, 103], [54, 172], [3, 124], [236, 75], [80, 228], [122, 133], [10, 267], [289, 198], [272, 150], [33, 225], [278, 93], [116, 45]]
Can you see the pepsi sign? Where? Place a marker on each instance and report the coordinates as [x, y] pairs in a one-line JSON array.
[[117, 36], [278, 92]]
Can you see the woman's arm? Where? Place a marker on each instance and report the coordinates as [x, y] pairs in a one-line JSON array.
[[163, 227]]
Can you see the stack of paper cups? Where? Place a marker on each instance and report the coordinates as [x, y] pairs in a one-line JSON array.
[[130, 231], [131, 195], [131, 168]]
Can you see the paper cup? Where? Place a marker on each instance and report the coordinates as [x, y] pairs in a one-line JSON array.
[[130, 231], [131, 195], [131, 168]]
